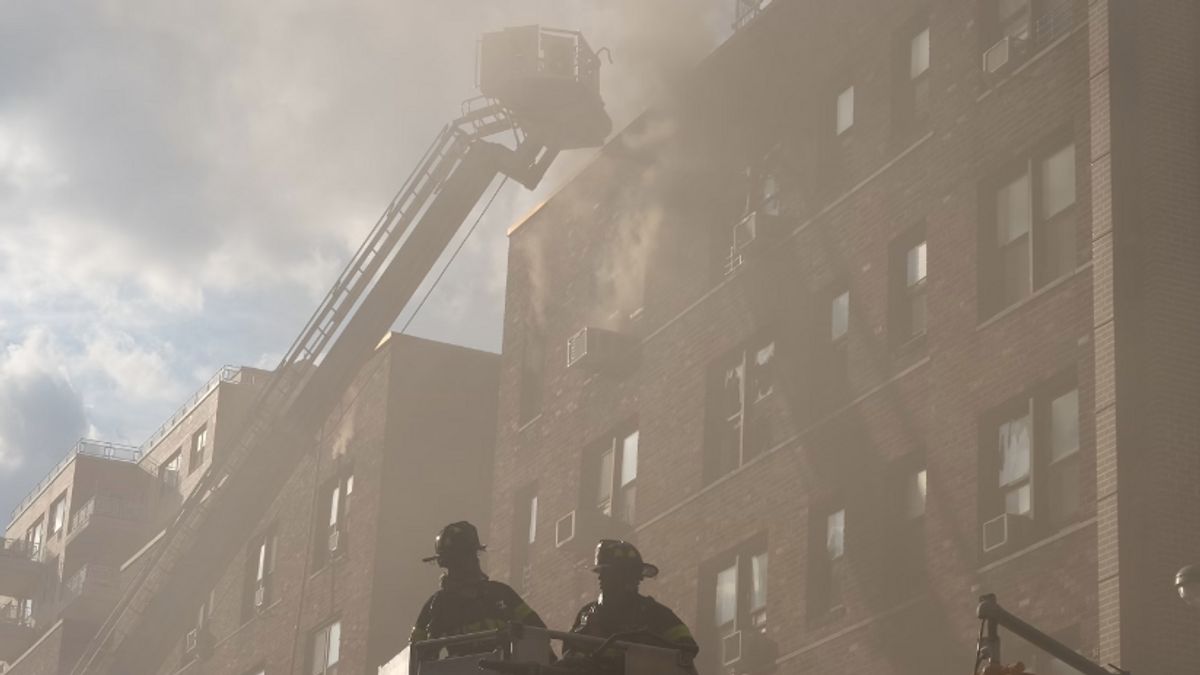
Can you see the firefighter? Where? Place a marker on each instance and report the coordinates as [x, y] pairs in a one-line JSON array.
[[468, 602], [620, 608]]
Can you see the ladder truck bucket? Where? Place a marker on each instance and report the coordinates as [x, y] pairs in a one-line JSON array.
[[550, 80]]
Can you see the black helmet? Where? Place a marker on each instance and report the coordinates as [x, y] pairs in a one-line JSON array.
[[618, 554], [455, 539]]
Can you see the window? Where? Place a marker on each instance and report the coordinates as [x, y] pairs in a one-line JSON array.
[[334, 509], [58, 515], [915, 490], [911, 77], [199, 445], [525, 533], [615, 475], [762, 194], [260, 571], [740, 593], [1034, 463], [1033, 241], [326, 649], [845, 110], [1011, 18], [168, 473], [25, 612], [839, 315], [909, 273], [33, 538], [828, 552], [533, 359], [742, 383]]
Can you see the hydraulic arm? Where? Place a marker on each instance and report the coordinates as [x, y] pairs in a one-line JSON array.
[[217, 518]]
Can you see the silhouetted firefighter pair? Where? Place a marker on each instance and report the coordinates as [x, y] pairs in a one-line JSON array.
[[470, 602]]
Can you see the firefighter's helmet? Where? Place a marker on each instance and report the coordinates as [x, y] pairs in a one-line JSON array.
[[456, 540], [618, 554]]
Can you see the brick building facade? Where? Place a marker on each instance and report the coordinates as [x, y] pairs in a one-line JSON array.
[[332, 574], [885, 307]]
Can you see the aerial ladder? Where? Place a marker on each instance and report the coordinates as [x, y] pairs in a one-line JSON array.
[[540, 89]]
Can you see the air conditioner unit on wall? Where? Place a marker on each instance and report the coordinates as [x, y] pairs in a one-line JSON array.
[[598, 349], [1000, 57], [191, 641], [564, 530], [1003, 530], [753, 233], [731, 648]]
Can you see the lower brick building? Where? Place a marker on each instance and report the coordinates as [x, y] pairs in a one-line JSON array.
[[888, 306]]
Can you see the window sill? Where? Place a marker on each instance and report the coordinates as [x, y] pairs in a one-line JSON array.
[[1062, 533], [1043, 291], [1037, 56], [528, 423]]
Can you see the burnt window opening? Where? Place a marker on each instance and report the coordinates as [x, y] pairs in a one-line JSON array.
[[1029, 236], [1030, 483], [612, 475], [741, 385], [909, 283]]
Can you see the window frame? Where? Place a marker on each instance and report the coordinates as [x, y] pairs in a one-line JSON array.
[[905, 294], [261, 560], [609, 476], [746, 423], [826, 593], [57, 521], [845, 95], [1041, 519], [326, 633], [745, 616], [197, 448], [1050, 242]]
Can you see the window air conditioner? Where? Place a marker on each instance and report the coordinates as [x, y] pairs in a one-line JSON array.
[[260, 596], [749, 234], [334, 540], [731, 648], [1001, 530], [1000, 56], [598, 349], [191, 641], [564, 530]]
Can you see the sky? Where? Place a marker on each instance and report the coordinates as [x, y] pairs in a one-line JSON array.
[[181, 182]]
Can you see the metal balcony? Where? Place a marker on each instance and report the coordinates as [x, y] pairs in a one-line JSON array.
[[17, 631], [90, 593], [20, 567], [106, 524]]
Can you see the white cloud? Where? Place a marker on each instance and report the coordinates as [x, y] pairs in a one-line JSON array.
[[41, 411]]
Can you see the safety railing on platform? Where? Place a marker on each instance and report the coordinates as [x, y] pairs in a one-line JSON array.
[[106, 505], [88, 448]]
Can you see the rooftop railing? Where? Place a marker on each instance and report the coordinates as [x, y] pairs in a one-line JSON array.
[[225, 374], [88, 448]]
